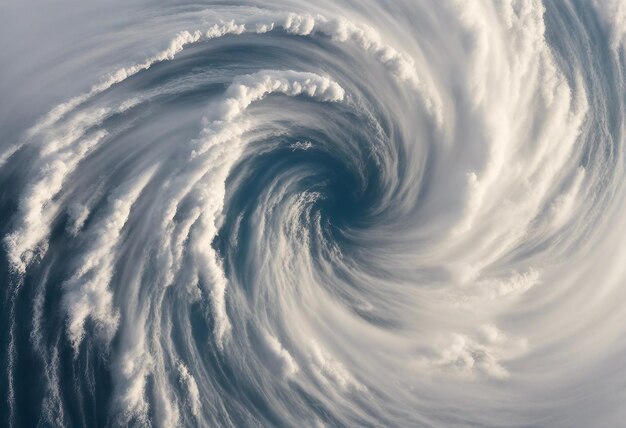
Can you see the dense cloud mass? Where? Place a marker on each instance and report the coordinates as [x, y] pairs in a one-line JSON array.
[[385, 213]]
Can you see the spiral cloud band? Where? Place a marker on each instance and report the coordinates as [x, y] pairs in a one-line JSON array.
[[333, 213]]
